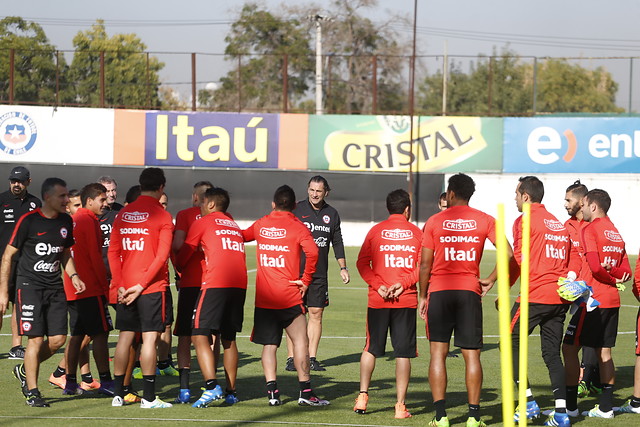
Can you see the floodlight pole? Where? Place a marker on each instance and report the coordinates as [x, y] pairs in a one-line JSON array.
[[317, 18]]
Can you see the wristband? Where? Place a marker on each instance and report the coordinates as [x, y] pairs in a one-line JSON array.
[[73, 275], [344, 268]]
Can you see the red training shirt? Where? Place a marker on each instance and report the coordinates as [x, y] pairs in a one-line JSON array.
[[191, 272], [281, 239], [390, 254]]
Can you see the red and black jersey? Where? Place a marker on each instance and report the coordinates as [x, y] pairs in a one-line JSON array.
[[41, 242], [457, 236], [604, 244], [191, 272], [12, 208], [222, 244], [87, 256], [140, 245], [281, 239], [390, 254]]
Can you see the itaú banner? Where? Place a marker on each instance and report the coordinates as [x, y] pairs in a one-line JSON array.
[[56, 135], [384, 143], [561, 145]]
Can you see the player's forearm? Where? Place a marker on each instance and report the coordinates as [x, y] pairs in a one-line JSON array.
[[68, 263], [5, 270], [159, 261]]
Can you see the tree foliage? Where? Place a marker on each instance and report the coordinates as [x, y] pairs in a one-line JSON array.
[[131, 76]]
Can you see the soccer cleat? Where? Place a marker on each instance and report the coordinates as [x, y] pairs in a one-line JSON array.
[[311, 400], [156, 404], [93, 385], [183, 396], [472, 422], [137, 373], [597, 413], [72, 389], [274, 398], [18, 372], [16, 353], [117, 401], [106, 388], [169, 371], [401, 411], [533, 411], [290, 366], [442, 422], [36, 400], [558, 419], [627, 408], [583, 390], [132, 397], [314, 365], [208, 396], [593, 390], [361, 403], [231, 399], [57, 381], [572, 414]]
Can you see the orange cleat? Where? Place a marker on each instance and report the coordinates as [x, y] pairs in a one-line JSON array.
[[58, 381], [361, 403], [90, 386]]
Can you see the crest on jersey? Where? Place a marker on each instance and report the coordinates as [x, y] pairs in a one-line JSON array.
[[26, 326], [135, 217], [459, 224], [326, 219], [273, 233], [397, 234], [553, 224], [63, 232], [18, 133], [613, 236]]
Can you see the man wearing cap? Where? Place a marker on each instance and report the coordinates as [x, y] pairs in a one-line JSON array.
[[16, 202]]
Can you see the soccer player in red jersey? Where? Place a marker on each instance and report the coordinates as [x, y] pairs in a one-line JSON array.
[[552, 255], [388, 262], [281, 239], [607, 266], [219, 307], [42, 238], [138, 254], [451, 291], [188, 287]]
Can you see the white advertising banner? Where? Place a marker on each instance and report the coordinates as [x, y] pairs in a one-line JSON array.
[[56, 135]]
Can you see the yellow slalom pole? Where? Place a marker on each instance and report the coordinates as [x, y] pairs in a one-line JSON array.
[[506, 356], [524, 312]]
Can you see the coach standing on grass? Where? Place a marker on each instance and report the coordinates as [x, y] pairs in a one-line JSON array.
[[43, 238], [324, 223]]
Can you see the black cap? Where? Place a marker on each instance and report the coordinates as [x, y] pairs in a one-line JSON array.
[[19, 173]]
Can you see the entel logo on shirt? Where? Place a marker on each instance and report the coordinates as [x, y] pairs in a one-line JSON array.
[[135, 217], [553, 225], [397, 234], [613, 236], [273, 233], [226, 222], [459, 224]]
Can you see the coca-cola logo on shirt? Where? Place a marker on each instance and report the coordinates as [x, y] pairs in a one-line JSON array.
[[135, 217], [553, 225], [226, 223], [614, 236], [273, 233], [397, 234], [459, 224], [47, 267]]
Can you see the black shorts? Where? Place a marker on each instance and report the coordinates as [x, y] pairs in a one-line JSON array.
[[268, 324], [455, 312], [168, 319], [40, 311], [318, 293], [401, 324], [146, 314], [187, 298], [89, 316], [219, 310], [12, 279], [637, 328], [597, 328]]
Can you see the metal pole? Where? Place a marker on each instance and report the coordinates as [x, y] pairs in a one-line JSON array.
[[445, 78], [148, 93], [412, 76], [11, 74], [285, 84], [630, 84], [102, 88], [489, 88], [193, 82], [57, 77], [318, 66], [374, 78], [239, 83], [535, 85]]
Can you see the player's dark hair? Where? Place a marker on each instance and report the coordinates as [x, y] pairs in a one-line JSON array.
[[397, 201], [74, 193], [578, 189], [284, 198], [91, 191], [532, 186], [320, 179], [49, 183], [443, 196], [132, 194], [106, 179], [600, 198], [201, 186], [151, 179], [220, 196], [462, 186]]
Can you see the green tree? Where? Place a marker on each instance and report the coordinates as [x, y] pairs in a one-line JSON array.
[[37, 64], [131, 75]]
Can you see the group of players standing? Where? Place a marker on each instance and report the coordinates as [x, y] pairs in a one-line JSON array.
[[207, 248]]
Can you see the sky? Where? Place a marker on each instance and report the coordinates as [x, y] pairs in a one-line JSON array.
[[588, 29]]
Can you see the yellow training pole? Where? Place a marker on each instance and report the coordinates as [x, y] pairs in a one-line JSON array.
[[524, 312], [502, 261]]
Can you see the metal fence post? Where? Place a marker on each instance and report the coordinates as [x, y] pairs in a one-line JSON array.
[[102, 88], [285, 83], [374, 83], [11, 74], [193, 82]]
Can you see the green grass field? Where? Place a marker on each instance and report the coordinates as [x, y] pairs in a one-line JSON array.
[[340, 348]]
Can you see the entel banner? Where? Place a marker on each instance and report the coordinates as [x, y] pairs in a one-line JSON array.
[[594, 145]]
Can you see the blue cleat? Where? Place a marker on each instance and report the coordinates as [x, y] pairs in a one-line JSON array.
[[208, 396], [183, 396], [558, 419], [533, 411], [231, 399]]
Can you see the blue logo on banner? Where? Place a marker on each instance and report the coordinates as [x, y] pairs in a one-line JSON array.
[[586, 145], [18, 133], [211, 139]]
